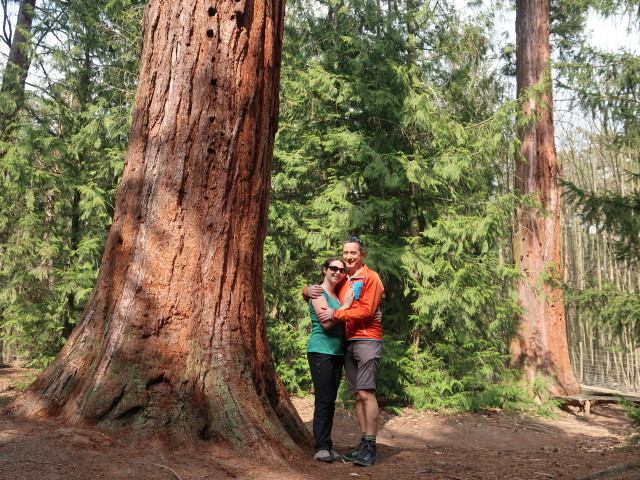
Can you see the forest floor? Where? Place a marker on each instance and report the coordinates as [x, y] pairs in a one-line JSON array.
[[414, 445]]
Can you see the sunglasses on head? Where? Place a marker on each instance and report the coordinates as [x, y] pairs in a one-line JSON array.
[[335, 269]]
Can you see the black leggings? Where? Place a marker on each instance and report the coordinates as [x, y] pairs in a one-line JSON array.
[[326, 373]]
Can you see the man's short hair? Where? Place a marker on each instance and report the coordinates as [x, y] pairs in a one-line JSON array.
[[355, 240]]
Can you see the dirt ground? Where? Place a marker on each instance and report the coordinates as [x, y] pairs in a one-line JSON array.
[[414, 445]]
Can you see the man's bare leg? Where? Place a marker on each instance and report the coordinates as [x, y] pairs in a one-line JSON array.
[[367, 403], [360, 412]]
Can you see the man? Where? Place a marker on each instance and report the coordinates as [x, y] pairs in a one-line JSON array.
[[364, 344]]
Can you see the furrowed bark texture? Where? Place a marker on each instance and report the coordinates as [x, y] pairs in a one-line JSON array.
[[541, 346], [174, 333]]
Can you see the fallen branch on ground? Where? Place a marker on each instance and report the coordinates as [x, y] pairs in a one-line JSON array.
[[448, 475], [172, 471], [610, 470]]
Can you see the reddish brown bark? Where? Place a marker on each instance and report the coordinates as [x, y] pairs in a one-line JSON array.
[[541, 347], [174, 333]]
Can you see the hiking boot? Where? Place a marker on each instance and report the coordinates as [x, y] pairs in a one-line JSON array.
[[368, 455], [351, 457], [335, 456], [323, 456]]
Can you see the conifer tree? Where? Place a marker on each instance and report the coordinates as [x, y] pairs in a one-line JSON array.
[[15, 73], [60, 173], [605, 88], [540, 348], [173, 336]]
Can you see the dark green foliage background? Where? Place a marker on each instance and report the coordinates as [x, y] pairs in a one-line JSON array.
[[400, 138], [61, 166]]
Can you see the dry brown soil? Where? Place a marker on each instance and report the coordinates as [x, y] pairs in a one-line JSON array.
[[415, 445]]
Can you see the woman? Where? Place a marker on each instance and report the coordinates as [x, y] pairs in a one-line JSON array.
[[325, 353]]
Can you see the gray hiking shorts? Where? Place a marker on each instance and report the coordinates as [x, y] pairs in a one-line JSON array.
[[362, 364]]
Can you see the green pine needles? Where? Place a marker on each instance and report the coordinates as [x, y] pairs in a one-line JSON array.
[[59, 172]]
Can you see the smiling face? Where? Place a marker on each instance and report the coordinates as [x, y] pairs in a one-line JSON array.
[[352, 256], [334, 272]]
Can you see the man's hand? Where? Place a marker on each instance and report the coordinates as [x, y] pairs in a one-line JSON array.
[[328, 324], [325, 317], [377, 316], [314, 291]]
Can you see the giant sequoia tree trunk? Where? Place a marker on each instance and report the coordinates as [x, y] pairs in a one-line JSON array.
[[541, 346], [174, 334]]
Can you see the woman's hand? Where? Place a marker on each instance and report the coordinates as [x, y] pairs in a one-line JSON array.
[[348, 299]]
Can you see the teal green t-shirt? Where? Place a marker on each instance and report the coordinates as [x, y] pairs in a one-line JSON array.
[[325, 341]]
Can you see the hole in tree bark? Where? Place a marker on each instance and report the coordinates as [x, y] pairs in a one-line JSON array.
[[205, 432], [212, 11], [130, 412], [239, 19], [212, 118], [210, 33], [155, 381], [113, 405], [214, 82]]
